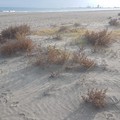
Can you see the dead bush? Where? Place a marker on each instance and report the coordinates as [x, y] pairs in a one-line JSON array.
[[52, 56], [57, 56], [114, 22], [83, 60], [12, 47], [102, 38], [10, 33], [96, 97]]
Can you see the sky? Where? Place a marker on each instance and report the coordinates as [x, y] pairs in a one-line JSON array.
[[58, 3]]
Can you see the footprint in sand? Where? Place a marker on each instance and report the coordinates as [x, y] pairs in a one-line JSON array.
[[24, 117], [14, 104], [110, 116], [22, 114], [4, 96], [1, 71]]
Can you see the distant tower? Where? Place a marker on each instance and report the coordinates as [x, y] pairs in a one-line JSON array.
[[98, 6]]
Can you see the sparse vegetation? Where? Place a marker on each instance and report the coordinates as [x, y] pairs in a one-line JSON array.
[[46, 32], [114, 22], [57, 56], [12, 47], [102, 38], [96, 97], [61, 31], [11, 32]]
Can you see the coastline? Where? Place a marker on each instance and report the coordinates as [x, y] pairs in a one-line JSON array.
[[15, 9]]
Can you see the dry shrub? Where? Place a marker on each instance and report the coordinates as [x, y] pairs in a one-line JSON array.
[[10, 33], [12, 47], [57, 56], [83, 60], [114, 22], [96, 97], [102, 38], [52, 56]]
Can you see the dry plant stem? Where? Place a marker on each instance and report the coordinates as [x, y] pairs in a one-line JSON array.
[[12, 47], [11, 32], [114, 22], [83, 60], [102, 38], [52, 56], [96, 97]]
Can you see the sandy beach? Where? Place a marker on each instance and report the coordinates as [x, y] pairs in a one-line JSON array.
[[42, 20], [27, 92]]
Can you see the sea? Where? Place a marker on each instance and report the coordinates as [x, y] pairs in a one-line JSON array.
[[17, 9]]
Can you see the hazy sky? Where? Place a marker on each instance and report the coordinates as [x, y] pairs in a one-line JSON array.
[[58, 3]]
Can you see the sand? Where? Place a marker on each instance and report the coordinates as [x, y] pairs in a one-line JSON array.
[[28, 93]]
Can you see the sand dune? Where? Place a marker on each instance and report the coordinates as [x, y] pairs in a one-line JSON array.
[[28, 93]]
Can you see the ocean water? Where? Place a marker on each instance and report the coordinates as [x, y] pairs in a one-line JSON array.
[[15, 9]]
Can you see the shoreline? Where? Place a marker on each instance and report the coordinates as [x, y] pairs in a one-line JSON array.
[[55, 12], [18, 10], [39, 20]]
